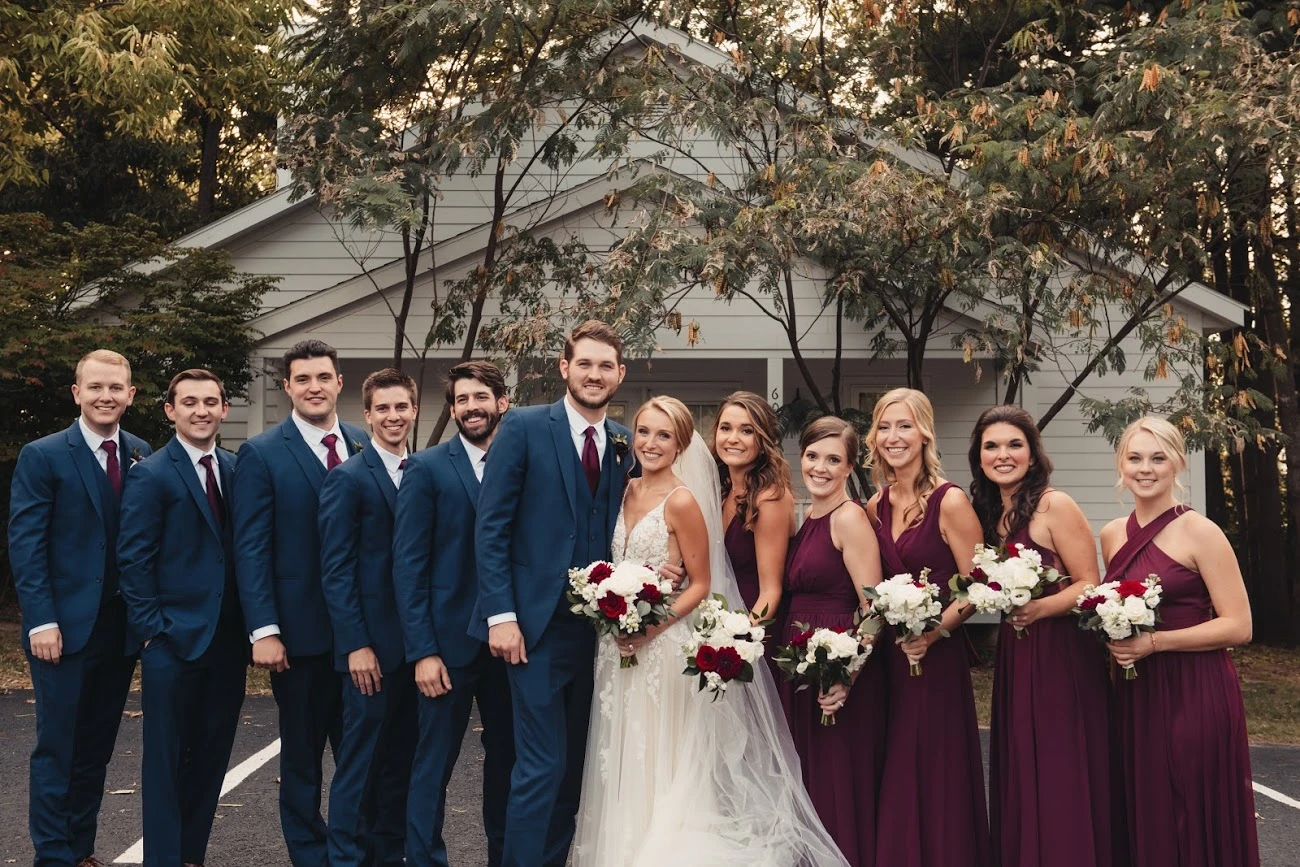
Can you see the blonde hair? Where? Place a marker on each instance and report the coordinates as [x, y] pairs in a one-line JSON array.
[[104, 356], [1167, 436], [678, 416], [931, 467]]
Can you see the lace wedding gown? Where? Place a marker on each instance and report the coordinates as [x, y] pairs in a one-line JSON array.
[[673, 778]]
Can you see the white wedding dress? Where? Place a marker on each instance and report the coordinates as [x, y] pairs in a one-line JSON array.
[[672, 777]]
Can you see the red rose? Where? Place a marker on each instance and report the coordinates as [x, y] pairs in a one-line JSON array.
[[706, 658], [1131, 588], [993, 585], [1091, 602], [729, 663], [801, 639], [978, 574], [600, 572], [612, 605], [920, 584], [650, 593]]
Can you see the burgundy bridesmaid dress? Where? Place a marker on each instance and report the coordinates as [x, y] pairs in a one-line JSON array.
[[841, 763], [739, 543], [1051, 791], [1182, 724], [932, 811]]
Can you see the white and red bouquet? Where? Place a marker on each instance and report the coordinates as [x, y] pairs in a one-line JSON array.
[[724, 647], [626, 599], [824, 656], [911, 605], [999, 582], [1121, 609]]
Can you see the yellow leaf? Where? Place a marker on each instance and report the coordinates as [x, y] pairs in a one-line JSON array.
[[1151, 78], [692, 333]]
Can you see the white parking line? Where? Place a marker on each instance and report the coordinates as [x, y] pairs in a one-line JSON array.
[[235, 776], [1276, 795]]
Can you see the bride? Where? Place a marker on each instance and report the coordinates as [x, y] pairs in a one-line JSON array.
[[672, 777]]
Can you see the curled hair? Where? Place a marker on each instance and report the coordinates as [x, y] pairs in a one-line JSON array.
[[387, 378], [831, 427], [678, 416], [594, 329], [1167, 436], [770, 470], [985, 494], [931, 469]]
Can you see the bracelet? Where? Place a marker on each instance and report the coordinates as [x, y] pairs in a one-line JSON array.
[[1153, 642]]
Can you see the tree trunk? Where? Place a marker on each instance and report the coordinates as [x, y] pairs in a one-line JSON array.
[[210, 132]]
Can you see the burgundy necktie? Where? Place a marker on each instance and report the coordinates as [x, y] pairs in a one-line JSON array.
[[402, 465], [214, 493], [591, 460], [331, 456], [113, 468]]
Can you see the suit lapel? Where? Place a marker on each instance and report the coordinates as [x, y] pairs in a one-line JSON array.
[[460, 463], [190, 478], [302, 453], [381, 477], [616, 475], [564, 451], [87, 466]]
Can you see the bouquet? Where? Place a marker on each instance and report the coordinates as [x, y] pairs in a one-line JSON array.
[[910, 605], [626, 599], [824, 656], [1121, 609], [999, 583], [724, 646]]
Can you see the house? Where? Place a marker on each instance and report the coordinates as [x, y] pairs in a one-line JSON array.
[[337, 282]]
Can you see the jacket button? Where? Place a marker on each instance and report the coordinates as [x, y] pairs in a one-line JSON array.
[[101, 546], [98, 580]]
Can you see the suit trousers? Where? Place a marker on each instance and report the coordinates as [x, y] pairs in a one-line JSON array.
[[191, 714], [310, 702], [367, 815], [79, 706], [442, 731]]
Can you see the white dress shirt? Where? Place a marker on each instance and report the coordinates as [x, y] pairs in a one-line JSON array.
[[476, 456], [315, 436], [195, 456], [93, 441], [578, 430], [392, 462]]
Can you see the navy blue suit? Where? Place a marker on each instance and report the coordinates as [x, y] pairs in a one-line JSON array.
[[277, 561], [63, 523], [537, 518], [436, 581], [177, 565], [373, 761]]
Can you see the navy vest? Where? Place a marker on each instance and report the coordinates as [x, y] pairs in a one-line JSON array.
[[591, 542]]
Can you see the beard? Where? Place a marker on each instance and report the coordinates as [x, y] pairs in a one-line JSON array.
[[493, 419], [575, 392]]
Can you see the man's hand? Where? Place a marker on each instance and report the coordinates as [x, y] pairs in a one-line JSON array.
[[432, 677], [506, 641], [269, 653], [674, 572], [47, 645], [363, 665]]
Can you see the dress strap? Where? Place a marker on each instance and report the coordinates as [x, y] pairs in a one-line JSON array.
[[1139, 538]]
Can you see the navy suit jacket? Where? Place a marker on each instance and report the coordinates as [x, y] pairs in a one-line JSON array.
[[277, 546], [63, 520], [433, 554], [357, 503], [527, 512], [173, 557]]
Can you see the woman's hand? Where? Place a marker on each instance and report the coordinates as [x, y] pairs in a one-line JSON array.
[[1130, 650], [628, 645], [833, 699], [1026, 615], [915, 647]]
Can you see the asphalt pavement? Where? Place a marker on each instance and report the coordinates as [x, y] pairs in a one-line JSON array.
[[246, 832]]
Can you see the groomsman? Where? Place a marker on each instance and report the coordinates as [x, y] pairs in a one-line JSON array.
[[373, 762], [435, 576], [277, 562], [63, 522], [177, 562]]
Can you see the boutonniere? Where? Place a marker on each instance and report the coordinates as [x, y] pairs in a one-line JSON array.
[[620, 448], [136, 457], [357, 447]]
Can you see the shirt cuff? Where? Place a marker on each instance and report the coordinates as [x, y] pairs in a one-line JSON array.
[[45, 627], [506, 617], [263, 632]]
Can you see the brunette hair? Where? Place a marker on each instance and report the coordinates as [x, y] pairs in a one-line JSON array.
[[194, 374], [389, 377], [931, 469], [678, 415], [985, 494], [305, 349], [593, 329], [829, 426], [103, 356], [1167, 436], [770, 470], [484, 371]]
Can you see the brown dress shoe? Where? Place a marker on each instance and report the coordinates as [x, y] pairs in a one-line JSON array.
[[90, 861]]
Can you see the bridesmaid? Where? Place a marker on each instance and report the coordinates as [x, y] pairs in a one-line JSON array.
[[1186, 763], [757, 498], [833, 556], [1050, 753], [933, 811]]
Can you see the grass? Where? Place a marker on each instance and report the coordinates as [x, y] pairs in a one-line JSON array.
[[1270, 682]]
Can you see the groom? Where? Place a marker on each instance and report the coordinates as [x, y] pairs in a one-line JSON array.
[[551, 493]]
